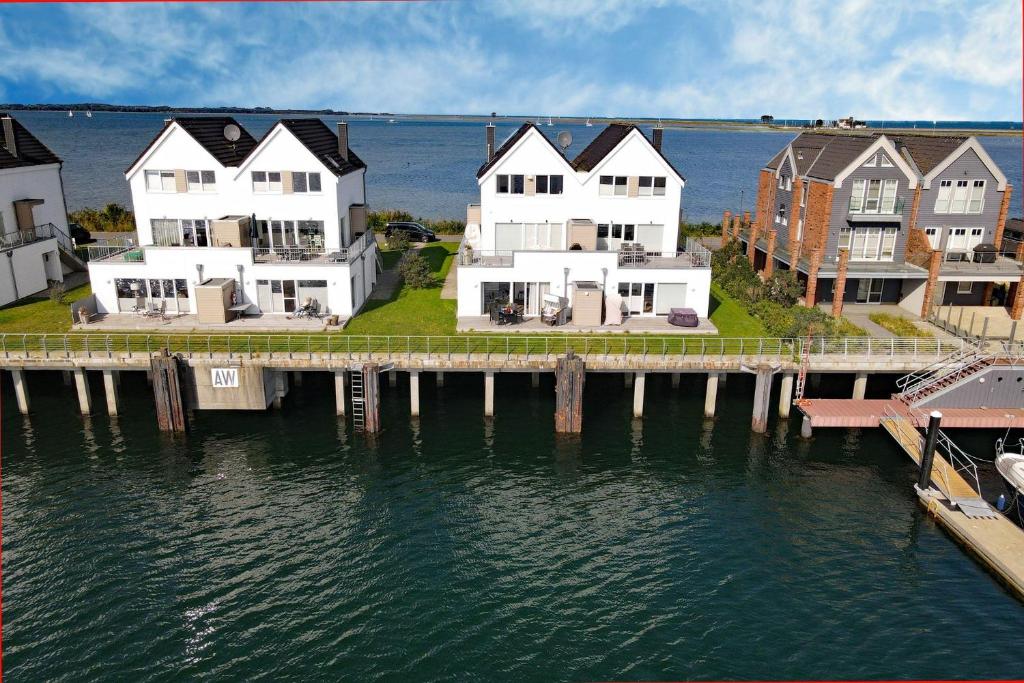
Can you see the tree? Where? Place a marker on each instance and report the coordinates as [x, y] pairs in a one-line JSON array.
[[415, 270]]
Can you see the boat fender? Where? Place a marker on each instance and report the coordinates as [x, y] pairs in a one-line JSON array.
[[1001, 502]]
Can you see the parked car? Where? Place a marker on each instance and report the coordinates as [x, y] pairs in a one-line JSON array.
[[79, 234], [413, 231]]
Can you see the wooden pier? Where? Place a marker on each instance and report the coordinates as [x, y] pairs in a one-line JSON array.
[[852, 413]]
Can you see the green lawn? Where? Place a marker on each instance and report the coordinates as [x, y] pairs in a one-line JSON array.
[[40, 315], [412, 311], [731, 318]]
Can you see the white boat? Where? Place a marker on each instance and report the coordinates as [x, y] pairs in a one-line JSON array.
[[589, 124], [391, 120], [1010, 465], [70, 113], [88, 114], [549, 121]]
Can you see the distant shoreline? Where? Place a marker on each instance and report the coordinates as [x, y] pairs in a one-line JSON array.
[[679, 124]]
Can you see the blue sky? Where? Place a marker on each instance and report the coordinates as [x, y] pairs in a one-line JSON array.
[[943, 59]]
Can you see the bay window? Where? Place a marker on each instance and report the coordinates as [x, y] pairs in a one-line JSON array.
[[874, 196]]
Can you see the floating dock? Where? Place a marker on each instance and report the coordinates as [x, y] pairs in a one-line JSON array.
[[845, 412], [989, 535]]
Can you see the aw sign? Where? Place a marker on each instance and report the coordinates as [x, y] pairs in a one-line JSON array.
[[224, 378]]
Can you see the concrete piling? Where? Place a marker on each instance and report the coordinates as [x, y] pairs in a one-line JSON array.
[[860, 386], [675, 380], [82, 387], [392, 378], [638, 394], [110, 390], [167, 394], [371, 398], [711, 394], [805, 428], [280, 387], [489, 393], [68, 377], [414, 393], [339, 392], [20, 389], [439, 379], [297, 379], [762, 398], [534, 379], [628, 380], [785, 395]]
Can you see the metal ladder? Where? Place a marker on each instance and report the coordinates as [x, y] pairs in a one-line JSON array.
[[358, 399], [805, 362]]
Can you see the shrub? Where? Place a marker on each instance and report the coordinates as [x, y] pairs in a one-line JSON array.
[[397, 241], [112, 218], [704, 229], [898, 325], [57, 292], [783, 287], [416, 271]]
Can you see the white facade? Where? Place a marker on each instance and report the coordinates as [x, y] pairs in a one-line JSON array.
[[309, 231], [630, 198], [32, 258]]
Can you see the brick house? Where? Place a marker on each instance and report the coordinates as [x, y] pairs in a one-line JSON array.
[[885, 219]]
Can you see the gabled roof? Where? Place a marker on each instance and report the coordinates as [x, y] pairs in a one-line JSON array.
[[208, 131], [31, 152], [927, 151], [606, 141], [510, 143], [322, 143]]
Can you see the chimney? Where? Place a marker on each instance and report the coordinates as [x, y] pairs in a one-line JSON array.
[[9, 142], [490, 141], [343, 140], [658, 132]]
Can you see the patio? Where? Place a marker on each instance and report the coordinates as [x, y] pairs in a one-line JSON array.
[[250, 324], [632, 325]]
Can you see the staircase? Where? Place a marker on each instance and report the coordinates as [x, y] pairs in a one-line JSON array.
[[66, 246], [951, 370]]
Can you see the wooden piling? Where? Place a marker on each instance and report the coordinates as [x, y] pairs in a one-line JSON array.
[[371, 398], [570, 374], [170, 407]]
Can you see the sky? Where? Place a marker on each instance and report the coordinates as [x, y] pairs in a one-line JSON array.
[[801, 59]]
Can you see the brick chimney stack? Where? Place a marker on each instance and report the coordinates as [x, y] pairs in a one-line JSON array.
[[490, 141], [658, 133], [343, 140], [9, 141]]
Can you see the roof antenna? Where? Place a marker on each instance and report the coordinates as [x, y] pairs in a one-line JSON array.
[[564, 140], [232, 133]]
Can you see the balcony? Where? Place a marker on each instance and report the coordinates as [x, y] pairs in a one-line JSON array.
[[11, 240], [857, 211], [305, 254], [113, 252]]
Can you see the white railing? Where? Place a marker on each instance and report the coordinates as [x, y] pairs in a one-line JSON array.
[[961, 462], [115, 252], [289, 254], [966, 362], [11, 240], [695, 255]]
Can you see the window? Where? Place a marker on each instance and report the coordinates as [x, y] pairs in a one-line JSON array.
[[266, 181], [606, 186], [620, 186], [977, 200], [160, 181], [884, 161], [959, 202], [869, 244], [617, 231], [502, 181], [549, 184], [942, 199], [518, 184], [646, 185], [541, 186], [964, 287], [857, 196], [803, 194], [303, 182], [659, 186], [194, 233], [872, 160], [889, 196], [629, 232], [781, 216], [201, 181], [888, 244], [873, 196], [602, 230], [844, 237], [165, 232], [933, 237]]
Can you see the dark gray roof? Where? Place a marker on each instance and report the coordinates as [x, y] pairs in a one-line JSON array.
[[208, 131], [31, 152], [510, 143], [322, 143], [825, 155], [601, 146], [927, 151]]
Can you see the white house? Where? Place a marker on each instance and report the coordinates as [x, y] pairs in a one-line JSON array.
[[546, 225], [33, 218], [283, 217]]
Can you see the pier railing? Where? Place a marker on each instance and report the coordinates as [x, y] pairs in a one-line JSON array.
[[522, 347]]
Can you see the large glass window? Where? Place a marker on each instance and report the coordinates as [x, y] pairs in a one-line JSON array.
[[869, 244], [977, 200], [495, 294], [943, 196], [873, 196], [165, 232], [960, 192], [889, 196], [194, 233], [857, 195]]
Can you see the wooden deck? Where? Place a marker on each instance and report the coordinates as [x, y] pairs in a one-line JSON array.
[[845, 412], [996, 542]]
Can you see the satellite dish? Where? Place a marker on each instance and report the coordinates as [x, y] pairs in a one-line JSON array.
[[232, 132], [564, 139]]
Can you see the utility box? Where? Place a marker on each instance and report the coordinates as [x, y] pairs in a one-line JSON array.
[[587, 304], [582, 234], [213, 299]]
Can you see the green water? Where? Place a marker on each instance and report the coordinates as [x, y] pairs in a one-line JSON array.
[[281, 545]]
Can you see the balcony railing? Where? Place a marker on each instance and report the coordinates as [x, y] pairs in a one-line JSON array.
[[10, 240], [860, 212], [693, 256], [127, 253]]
